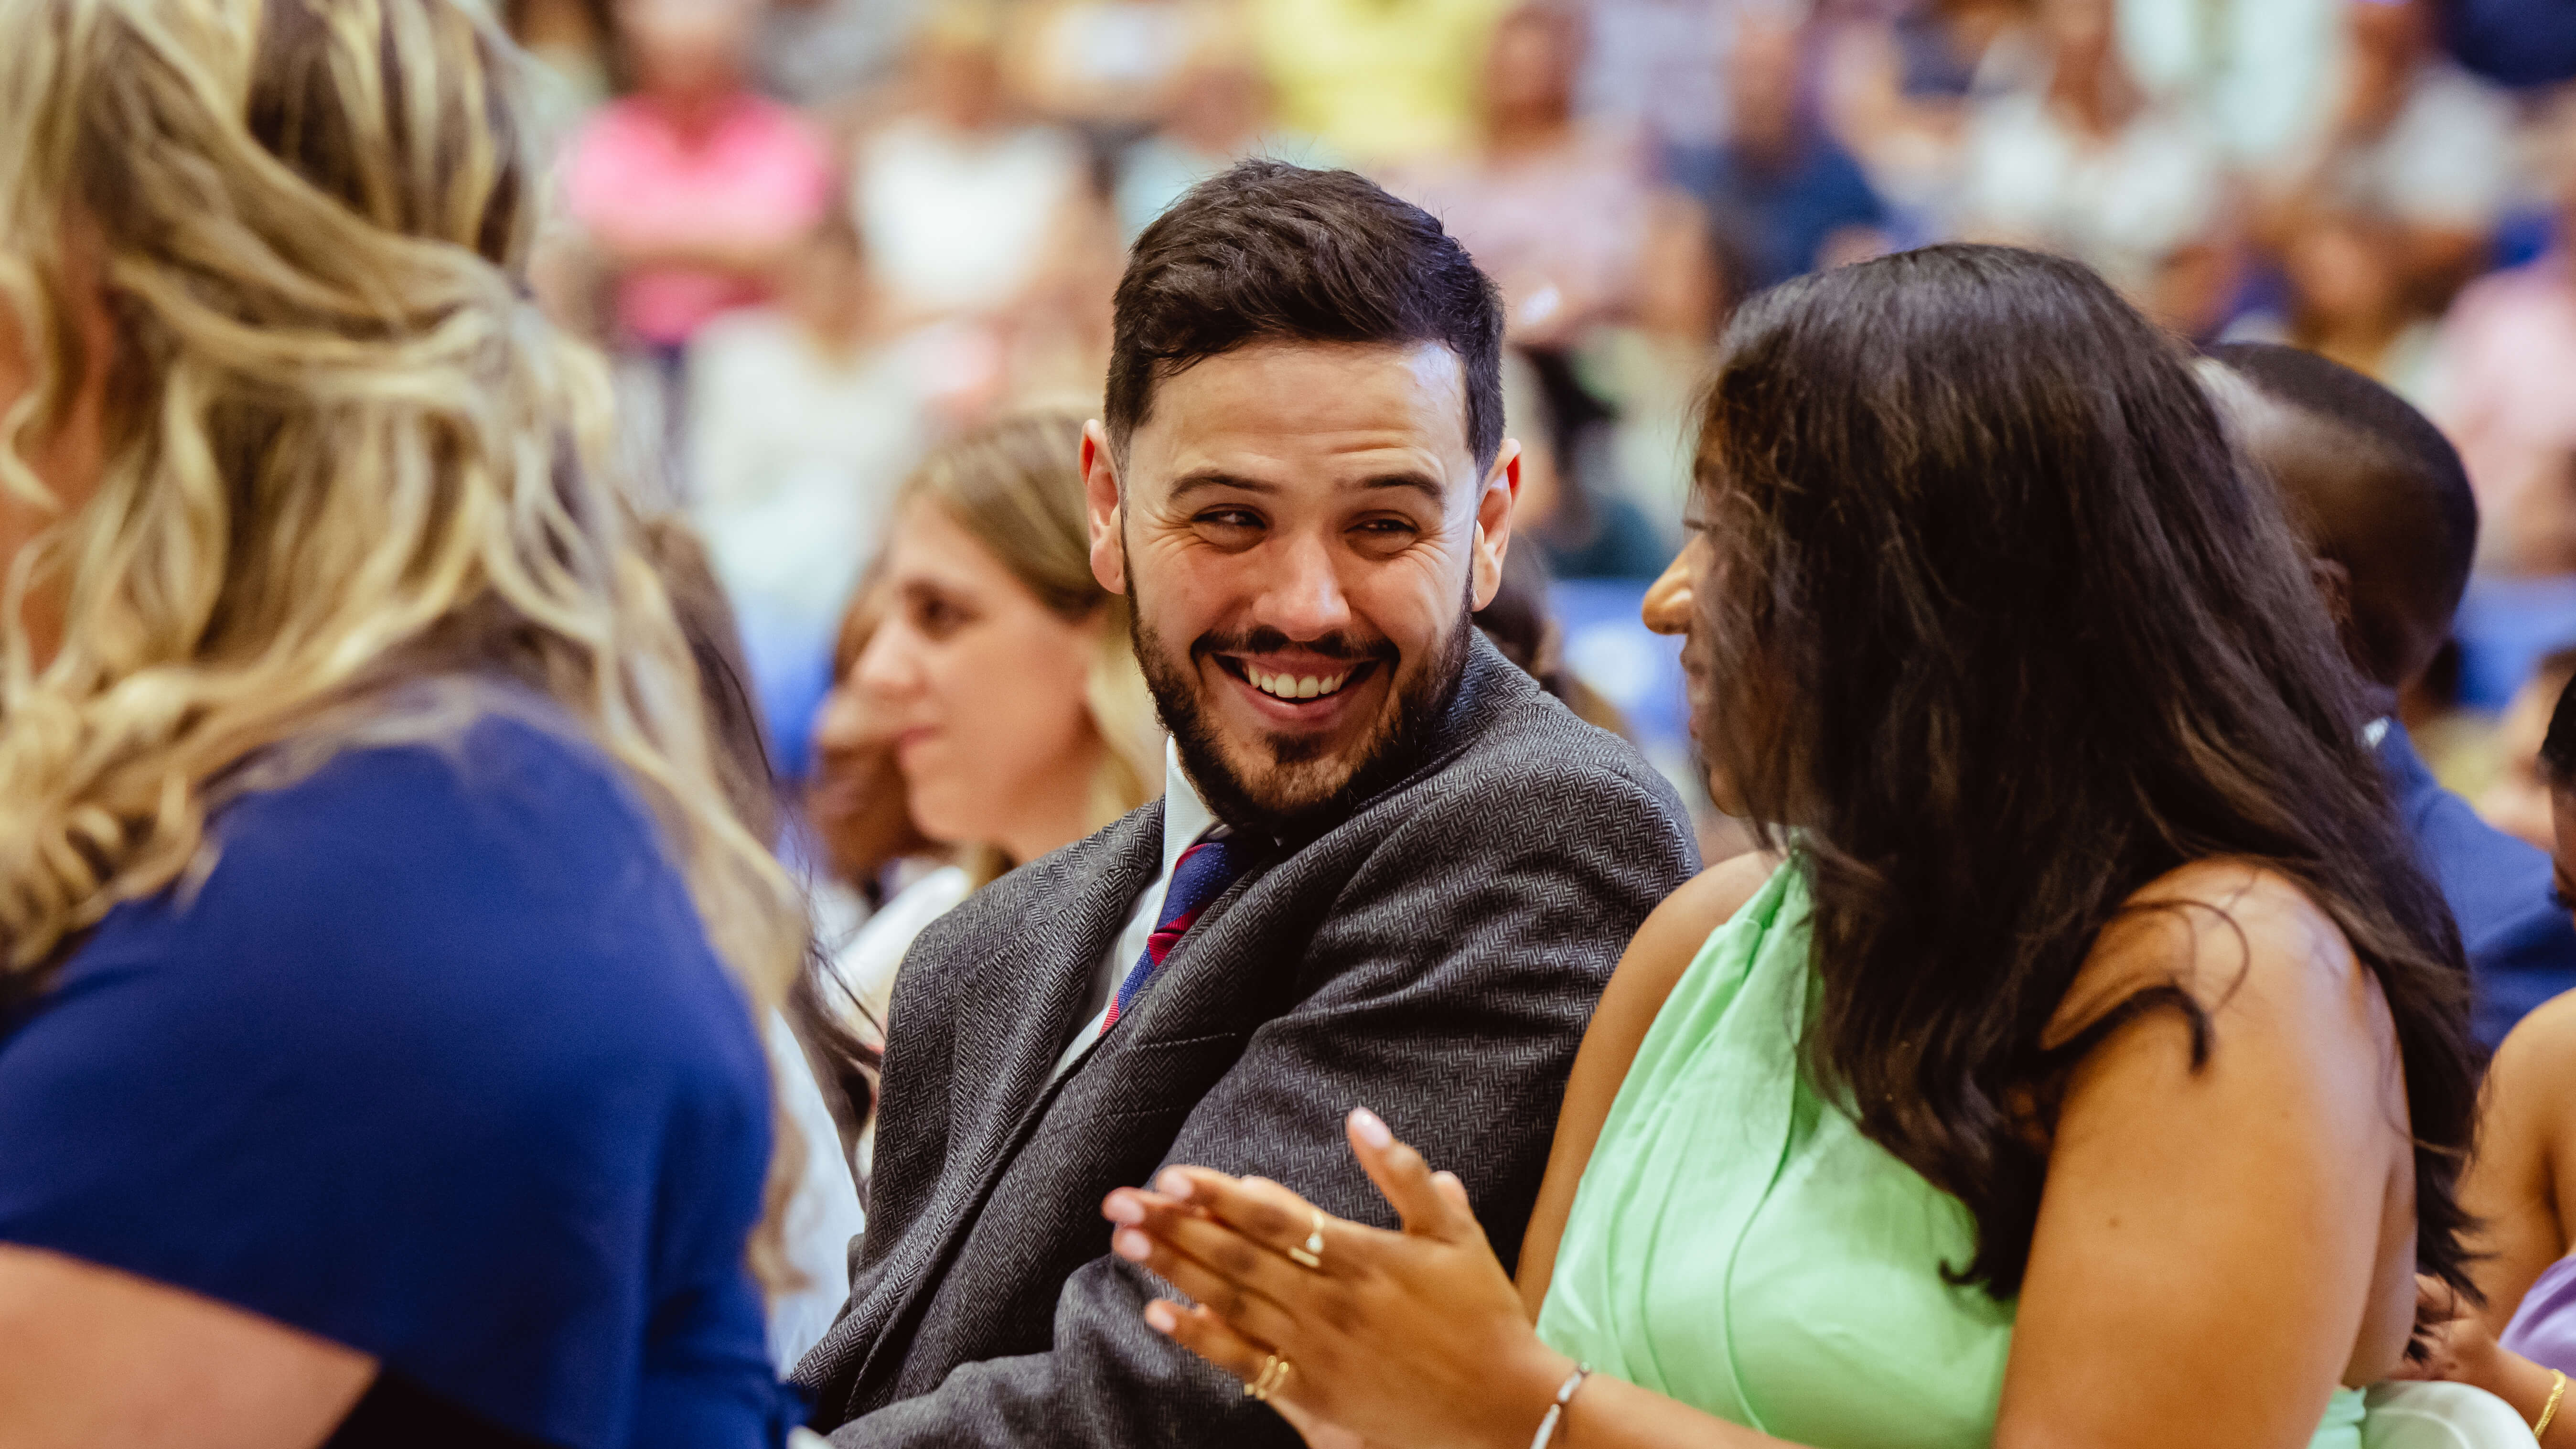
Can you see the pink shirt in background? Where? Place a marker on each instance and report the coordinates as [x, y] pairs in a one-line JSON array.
[[2507, 397], [758, 176]]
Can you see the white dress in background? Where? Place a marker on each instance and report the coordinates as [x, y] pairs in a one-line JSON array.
[[866, 965], [957, 221], [823, 1215]]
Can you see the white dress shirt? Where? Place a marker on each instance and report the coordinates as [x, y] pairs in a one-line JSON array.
[[1186, 818]]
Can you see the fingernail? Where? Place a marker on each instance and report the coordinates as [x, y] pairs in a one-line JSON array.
[[1371, 1130], [1123, 1209], [1159, 1317], [1173, 1183], [1131, 1245]]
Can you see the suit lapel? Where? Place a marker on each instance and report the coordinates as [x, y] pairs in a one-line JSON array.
[[1015, 1015], [1011, 1018]]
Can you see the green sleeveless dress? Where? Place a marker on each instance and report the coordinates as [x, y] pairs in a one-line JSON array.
[[1738, 1245]]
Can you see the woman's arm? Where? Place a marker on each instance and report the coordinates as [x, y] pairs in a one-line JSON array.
[[93, 1359], [2512, 1185], [1661, 951]]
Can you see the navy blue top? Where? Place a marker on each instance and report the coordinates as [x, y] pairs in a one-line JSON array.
[[2521, 944], [436, 1063]]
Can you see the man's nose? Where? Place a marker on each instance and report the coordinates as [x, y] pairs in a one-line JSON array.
[[1304, 599]]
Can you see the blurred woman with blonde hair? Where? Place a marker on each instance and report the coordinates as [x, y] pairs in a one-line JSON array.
[[379, 956], [998, 674]]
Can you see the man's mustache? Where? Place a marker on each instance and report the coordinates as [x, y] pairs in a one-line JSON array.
[[1266, 640]]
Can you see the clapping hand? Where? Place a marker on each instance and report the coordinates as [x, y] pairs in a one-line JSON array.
[[1414, 1337]]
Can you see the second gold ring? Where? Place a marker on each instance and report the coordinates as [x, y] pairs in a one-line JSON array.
[[1273, 1376], [1311, 1255]]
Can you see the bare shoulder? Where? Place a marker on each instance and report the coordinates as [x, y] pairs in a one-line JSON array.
[[2242, 940], [1672, 935], [2542, 1046], [2523, 1125]]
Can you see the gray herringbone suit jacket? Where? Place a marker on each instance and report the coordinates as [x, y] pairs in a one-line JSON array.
[[1434, 957]]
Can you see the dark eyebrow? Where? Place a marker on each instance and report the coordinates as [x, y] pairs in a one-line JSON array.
[[1428, 487], [1202, 479]]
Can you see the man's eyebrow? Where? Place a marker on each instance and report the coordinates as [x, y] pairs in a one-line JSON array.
[[1429, 487], [1199, 480]]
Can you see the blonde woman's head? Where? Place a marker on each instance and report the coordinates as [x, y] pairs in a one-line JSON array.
[[278, 430], [1002, 669]]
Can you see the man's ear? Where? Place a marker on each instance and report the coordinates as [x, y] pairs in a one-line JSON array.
[[1100, 497], [1494, 501]]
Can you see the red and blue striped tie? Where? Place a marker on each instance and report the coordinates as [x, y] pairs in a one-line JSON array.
[[1198, 877]]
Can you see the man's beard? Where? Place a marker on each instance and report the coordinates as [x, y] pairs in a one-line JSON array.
[[1310, 786]]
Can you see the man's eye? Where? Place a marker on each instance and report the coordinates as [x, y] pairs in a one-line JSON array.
[[1384, 533], [1230, 518]]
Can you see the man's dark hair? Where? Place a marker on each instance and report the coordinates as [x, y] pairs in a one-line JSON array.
[[2398, 514], [1270, 252]]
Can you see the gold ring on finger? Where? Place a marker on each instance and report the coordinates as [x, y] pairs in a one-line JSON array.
[[1311, 1256], [1273, 1377]]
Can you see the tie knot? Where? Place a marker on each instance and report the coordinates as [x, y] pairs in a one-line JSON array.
[[1198, 877]]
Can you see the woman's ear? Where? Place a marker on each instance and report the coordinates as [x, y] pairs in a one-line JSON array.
[[2334, 585]]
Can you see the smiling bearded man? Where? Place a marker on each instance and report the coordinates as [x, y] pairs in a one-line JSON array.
[[1387, 871]]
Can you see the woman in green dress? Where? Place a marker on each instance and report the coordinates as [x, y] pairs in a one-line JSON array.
[[2085, 1064]]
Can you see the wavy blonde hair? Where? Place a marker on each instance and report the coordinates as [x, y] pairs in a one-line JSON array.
[[1016, 485], [343, 449]]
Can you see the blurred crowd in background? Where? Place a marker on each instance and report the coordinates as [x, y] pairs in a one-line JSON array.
[[820, 236]]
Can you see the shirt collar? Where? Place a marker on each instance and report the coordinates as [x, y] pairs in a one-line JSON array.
[[1186, 817]]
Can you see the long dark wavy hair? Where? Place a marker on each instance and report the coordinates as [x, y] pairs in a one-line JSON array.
[[2001, 631]]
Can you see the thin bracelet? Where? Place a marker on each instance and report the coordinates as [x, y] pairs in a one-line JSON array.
[[2557, 1390], [1582, 1371]]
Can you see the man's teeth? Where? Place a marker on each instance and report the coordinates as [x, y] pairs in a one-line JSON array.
[[1291, 686]]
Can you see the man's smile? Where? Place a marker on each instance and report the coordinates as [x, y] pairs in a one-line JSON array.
[[1301, 690]]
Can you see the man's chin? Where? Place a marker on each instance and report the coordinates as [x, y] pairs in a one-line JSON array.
[[1298, 783], [1277, 784]]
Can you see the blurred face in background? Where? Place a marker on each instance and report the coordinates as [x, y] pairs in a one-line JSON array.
[[2345, 272], [1218, 104], [1762, 79], [1529, 72], [855, 800], [960, 82], [825, 286], [2387, 30], [2079, 32], [1682, 290], [982, 689], [1302, 532], [687, 50], [2518, 802]]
